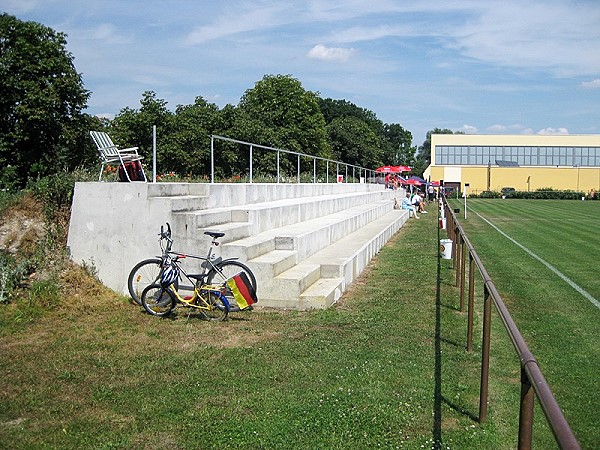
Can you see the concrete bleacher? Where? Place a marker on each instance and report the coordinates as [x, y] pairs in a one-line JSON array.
[[306, 243]]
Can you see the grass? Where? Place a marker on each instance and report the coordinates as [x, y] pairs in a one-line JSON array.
[[385, 368], [558, 323]]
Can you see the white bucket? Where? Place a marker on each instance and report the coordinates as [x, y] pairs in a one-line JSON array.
[[446, 248]]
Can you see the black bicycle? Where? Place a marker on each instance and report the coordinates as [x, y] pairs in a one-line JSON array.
[[215, 270]]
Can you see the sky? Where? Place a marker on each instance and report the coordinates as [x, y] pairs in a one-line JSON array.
[[476, 66]]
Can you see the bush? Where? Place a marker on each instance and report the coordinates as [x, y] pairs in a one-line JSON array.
[[538, 194]]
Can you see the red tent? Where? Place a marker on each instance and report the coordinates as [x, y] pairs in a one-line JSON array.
[[386, 169], [393, 169]]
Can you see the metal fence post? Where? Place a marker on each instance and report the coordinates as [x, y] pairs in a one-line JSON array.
[[526, 412], [462, 272], [212, 159], [485, 354], [250, 163], [471, 303]]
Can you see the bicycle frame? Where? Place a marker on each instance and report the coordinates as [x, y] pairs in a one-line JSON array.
[[199, 287]]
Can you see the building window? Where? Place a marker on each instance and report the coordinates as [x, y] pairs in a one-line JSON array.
[[523, 156]]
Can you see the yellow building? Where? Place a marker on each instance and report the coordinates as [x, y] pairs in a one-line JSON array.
[[523, 162]]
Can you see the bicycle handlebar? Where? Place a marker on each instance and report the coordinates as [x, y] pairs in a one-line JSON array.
[[166, 235]]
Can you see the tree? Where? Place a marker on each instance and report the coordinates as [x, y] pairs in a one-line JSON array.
[[279, 112], [186, 149], [423, 158], [354, 142], [393, 142], [41, 103], [133, 128], [399, 140]]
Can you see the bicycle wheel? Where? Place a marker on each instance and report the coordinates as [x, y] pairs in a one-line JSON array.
[[226, 270], [143, 274], [157, 300], [217, 310]]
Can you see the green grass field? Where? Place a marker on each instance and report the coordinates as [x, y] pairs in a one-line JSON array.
[[551, 285], [385, 368]]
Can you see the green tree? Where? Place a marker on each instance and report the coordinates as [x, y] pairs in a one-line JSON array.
[[279, 112], [133, 128], [423, 158], [399, 149], [333, 109], [354, 142], [394, 143], [186, 148], [41, 103]]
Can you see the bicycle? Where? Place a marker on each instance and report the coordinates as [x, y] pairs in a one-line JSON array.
[[160, 299], [215, 270]]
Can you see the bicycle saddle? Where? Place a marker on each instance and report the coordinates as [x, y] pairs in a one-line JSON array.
[[214, 234]]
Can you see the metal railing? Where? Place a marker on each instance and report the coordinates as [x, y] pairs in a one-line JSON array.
[[533, 383], [362, 171]]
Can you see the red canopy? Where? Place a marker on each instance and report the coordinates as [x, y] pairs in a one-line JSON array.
[[412, 181], [385, 169], [393, 169]]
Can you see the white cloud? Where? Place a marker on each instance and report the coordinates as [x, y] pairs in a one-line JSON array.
[[330, 53], [109, 34], [258, 19], [550, 130], [560, 36], [109, 116], [498, 128], [468, 129], [594, 84]]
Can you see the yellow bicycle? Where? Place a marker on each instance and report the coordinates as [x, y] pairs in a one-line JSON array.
[[160, 299]]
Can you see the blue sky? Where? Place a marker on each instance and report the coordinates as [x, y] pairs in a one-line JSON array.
[[487, 67]]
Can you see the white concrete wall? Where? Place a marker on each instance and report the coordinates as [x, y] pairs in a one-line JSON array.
[[115, 225]]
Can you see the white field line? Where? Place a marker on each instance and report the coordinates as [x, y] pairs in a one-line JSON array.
[[561, 275]]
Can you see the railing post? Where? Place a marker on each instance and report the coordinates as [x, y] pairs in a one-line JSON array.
[[250, 163], [485, 354], [526, 412], [471, 303], [457, 256], [278, 166], [462, 272], [314, 170], [212, 159], [298, 168]]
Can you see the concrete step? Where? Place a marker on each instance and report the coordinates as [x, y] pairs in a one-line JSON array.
[[319, 280], [309, 236], [184, 203], [278, 213]]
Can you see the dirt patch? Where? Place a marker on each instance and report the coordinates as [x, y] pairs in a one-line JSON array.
[[22, 226]]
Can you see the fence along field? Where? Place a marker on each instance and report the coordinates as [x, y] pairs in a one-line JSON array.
[[520, 243]]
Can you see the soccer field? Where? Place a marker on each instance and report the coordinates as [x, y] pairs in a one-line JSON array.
[[543, 256]]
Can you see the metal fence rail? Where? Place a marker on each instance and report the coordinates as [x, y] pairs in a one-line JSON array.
[[533, 383], [362, 171]]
